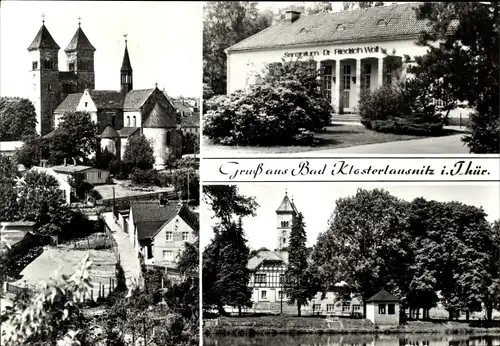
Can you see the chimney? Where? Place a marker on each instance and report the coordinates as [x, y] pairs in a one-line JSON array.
[[291, 16], [65, 163], [74, 161]]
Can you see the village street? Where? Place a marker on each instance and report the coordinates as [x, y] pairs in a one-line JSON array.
[[128, 256]]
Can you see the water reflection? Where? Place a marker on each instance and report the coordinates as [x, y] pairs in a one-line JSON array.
[[356, 340]]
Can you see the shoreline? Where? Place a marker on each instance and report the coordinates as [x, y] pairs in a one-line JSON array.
[[251, 331]]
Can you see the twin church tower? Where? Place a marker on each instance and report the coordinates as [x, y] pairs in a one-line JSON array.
[[50, 86]]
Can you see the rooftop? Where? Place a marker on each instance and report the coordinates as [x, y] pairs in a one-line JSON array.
[[378, 23], [150, 217], [79, 42], [269, 256], [383, 296], [287, 205], [160, 118], [43, 39]]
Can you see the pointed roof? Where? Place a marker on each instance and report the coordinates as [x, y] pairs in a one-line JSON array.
[[69, 104], [79, 42], [383, 296], [43, 40], [110, 132], [126, 66], [287, 206], [160, 118]]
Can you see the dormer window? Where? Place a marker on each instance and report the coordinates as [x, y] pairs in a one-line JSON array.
[[382, 22], [340, 27]]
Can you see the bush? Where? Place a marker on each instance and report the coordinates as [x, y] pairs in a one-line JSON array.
[[144, 177], [401, 109], [278, 110], [484, 136]]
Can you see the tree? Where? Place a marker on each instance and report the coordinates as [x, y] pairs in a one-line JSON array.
[[492, 295], [75, 137], [354, 5], [366, 245], [40, 200], [465, 63], [52, 314], [32, 151], [187, 184], [8, 197], [227, 203], [138, 153], [17, 118], [298, 284], [224, 24], [232, 274], [453, 245]]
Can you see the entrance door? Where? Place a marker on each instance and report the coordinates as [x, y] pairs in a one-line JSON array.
[[346, 86]]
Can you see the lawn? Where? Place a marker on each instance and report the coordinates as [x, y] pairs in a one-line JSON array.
[[334, 136]]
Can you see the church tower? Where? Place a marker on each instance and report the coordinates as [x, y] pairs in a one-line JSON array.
[[284, 215], [44, 71], [80, 62], [126, 72]]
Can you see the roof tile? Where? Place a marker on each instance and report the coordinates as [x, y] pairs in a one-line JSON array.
[[359, 25], [43, 39], [79, 42]]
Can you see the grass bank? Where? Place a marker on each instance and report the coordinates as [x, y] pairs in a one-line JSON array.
[[273, 325]]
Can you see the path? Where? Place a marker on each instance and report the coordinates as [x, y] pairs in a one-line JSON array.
[[128, 256], [433, 145]]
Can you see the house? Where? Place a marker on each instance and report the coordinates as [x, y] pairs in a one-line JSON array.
[[159, 232], [91, 174], [191, 124], [349, 48], [383, 309], [62, 173], [9, 148], [267, 273]]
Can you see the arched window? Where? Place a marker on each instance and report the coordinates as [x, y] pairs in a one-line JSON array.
[[168, 138], [128, 121], [133, 121], [341, 27]]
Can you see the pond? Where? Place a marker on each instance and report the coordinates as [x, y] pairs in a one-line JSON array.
[[355, 340]]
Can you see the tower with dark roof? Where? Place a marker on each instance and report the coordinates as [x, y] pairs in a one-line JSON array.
[[126, 72], [44, 71], [51, 86], [80, 60], [284, 216]]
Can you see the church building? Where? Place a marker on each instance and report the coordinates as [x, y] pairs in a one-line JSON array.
[[119, 114], [353, 50]]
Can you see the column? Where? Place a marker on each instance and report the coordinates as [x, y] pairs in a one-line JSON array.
[[336, 88], [357, 86], [380, 71]]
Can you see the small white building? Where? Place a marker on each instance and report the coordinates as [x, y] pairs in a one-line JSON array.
[[161, 232], [9, 148], [383, 309]]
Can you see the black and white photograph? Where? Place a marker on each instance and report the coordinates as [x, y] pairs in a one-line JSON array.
[[373, 77], [351, 264], [99, 173]]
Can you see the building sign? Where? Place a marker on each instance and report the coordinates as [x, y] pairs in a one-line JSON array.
[[336, 51]]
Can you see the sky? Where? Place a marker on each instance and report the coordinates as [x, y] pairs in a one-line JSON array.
[[164, 41], [316, 201]]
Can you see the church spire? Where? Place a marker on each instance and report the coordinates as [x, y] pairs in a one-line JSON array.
[[126, 71]]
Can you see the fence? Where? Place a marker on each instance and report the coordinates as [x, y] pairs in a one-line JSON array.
[[99, 291]]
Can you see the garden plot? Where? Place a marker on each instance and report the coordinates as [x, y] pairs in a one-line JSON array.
[[54, 262]]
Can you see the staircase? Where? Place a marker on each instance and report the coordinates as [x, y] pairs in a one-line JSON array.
[[346, 117]]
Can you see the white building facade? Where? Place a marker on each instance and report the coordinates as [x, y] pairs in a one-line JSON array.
[[350, 49]]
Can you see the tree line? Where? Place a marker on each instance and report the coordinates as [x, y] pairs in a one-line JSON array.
[[422, 251]]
